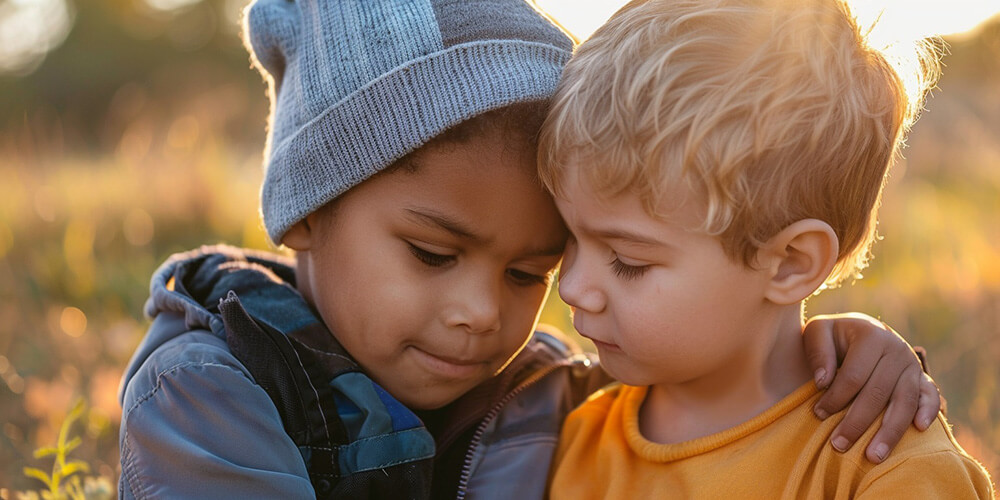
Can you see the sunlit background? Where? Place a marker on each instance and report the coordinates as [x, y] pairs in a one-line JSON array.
[[131, 129]]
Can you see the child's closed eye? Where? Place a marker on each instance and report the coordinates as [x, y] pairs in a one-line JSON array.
[[627, 272], [430, 258]]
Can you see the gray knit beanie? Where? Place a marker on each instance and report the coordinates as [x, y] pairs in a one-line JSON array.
[[357, 84]]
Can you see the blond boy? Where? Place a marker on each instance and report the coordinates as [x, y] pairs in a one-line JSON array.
[[717, 162]]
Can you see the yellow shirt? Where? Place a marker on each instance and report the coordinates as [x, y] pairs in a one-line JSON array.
[[782, 453]]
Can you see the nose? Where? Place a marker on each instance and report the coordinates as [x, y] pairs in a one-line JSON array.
[[476, 305], [575, 286]]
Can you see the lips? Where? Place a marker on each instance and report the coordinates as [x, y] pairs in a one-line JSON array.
[[603, 346], [447, 366], [456, 361], [600, 344]]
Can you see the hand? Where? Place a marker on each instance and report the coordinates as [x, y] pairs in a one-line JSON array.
[[880, 372]]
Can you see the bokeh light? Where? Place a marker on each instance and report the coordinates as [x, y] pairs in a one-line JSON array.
[[168, 5], [138, 227], [29, 29], [73, 321]]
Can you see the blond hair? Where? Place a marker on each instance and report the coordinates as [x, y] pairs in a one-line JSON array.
[[772, 110]]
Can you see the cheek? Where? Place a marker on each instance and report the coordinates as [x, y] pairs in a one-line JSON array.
[[650, 330], [364, 293], [663, 318]]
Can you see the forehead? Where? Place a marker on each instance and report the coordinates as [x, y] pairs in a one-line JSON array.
[[675, 202], [484, 187], [482, 134], [486, 160]]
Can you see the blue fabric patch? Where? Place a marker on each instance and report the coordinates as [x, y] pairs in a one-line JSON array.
[[360, 389], [402, 417], [350, 415], [385, 451]]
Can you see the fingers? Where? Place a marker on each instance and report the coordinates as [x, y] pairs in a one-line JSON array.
[[929, 403], [880, 372], [865, 409], [897, 418], [859, 364], [821, 351]]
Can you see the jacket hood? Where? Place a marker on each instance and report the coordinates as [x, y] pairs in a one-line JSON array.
[[185, 292], [192, 283]]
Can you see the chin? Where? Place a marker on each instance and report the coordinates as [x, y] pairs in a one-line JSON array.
[[428, 403], [638, 378], [625, 376]]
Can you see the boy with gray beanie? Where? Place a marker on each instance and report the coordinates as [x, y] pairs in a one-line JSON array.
[[393, 357]]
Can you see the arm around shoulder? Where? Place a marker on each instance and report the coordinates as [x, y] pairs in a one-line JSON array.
[[195, 425]]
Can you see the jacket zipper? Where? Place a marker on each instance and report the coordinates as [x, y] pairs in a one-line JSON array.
[[477, 436]]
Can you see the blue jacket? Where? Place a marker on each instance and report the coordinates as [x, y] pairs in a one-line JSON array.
[[196, 424]]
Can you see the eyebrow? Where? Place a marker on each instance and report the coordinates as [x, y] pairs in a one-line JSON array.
[[434, 219], [631, 237], [551, 251]]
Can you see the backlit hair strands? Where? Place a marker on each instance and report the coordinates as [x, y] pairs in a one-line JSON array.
[[772, 110]]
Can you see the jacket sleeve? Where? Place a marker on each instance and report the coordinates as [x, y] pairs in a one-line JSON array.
[[195, 425]]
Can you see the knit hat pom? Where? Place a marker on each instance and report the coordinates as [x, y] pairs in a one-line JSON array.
[[271, 47]]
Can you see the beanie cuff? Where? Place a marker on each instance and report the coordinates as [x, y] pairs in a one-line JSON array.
[[395, 114]]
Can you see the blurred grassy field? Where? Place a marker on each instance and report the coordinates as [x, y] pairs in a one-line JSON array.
[[175, 163]]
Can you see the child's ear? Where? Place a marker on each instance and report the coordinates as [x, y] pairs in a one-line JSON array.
[[799, 259], [300, 236]]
